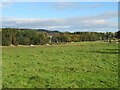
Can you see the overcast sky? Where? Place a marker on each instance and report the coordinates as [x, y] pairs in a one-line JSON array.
[[62, 16]]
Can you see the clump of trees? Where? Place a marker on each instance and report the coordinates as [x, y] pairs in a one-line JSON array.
[[117, 34], [23, 37], [27, 37]]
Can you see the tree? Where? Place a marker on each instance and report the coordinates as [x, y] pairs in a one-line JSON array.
[[43, 38], [117, 34]]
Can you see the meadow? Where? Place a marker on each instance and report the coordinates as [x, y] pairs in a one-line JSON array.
[[73, 65]]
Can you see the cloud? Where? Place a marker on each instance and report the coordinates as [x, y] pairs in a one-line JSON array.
[[74, 5], [6, 4], [96, 5], [65, 5], [101, 22], [0, 4], [59, 0]]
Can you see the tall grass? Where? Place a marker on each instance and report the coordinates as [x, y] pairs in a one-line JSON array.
[[83, 65]]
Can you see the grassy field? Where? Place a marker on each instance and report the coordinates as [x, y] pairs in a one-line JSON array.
[[75, 65]]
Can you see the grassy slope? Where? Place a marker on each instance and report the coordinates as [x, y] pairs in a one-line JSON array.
[[84, 65]]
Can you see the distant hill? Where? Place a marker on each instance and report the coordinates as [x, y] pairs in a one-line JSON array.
[[48, 31], [40, 30]]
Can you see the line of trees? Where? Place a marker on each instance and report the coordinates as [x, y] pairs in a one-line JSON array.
[[27, 37]]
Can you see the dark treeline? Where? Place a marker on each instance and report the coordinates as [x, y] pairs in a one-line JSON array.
[[36, 37]]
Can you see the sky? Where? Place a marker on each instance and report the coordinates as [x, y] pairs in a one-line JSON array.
[[61, 16]]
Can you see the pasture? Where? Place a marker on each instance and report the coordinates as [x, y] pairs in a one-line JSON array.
[[74, 65]]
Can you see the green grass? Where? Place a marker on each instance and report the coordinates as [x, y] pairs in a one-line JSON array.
[[74, 65]]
